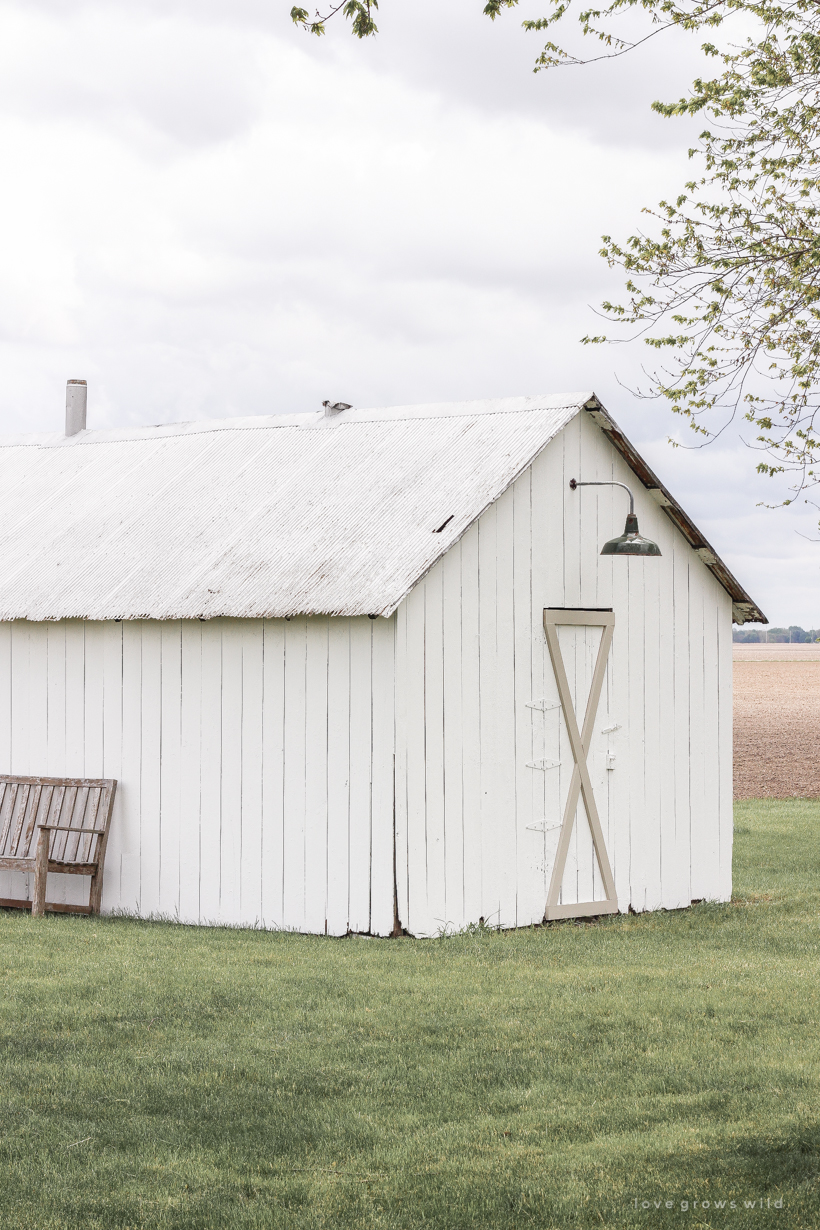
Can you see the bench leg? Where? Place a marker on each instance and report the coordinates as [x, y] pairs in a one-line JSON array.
[[95, 896], [38, 902]]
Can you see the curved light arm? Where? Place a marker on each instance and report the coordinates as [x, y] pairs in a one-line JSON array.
[[573, 482]]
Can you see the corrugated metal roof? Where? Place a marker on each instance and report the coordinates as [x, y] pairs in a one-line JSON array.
[[255, 517]]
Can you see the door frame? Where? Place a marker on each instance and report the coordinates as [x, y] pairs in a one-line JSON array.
[[580, 741]]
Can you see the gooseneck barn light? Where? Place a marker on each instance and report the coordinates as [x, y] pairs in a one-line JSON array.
[[631, 542]]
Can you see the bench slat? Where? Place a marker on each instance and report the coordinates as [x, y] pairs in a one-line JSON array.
[[33, 810], [92, 842], [22, 807], [57, 803], [9, 799], [71, 844], [68, 804], [63, 805], [8, 789], [19, 815]]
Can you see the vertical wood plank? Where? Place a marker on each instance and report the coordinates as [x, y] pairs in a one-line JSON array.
[[170, 767], [598, 448], [384, 700], [10, 882], [190, 769], [112, 755], [75, 697], [471, 726], [506, 805], [436, 908], [38, 697], [588, 646], [316, 748], [81, 743], [211, 798], [6, 697], [56, 762], [418, 914], [488, 710], [572, 522], [295, 769], [250, 901], [725, 783], [128, 805], [402, 836], [674, 879], [151, 780], [697, 748], [547, 591], [683, 841], [529, 842], [338, 776], [453, 738], [568, 638], [93, 734], [273, 738], [652, 718], [67, 888], [230, 845], [590, 510], [708, 767], [20, 698], [361, 753], [579, 513], [641, 869]]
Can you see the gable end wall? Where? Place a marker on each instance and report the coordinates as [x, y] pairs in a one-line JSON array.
[[471, 657]]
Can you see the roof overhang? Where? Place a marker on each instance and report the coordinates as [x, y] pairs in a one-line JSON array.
[[744, 609]]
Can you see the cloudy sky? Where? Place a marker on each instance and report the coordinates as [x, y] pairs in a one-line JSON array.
[[205, 212]]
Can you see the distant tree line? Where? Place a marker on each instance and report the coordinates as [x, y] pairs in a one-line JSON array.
[[776, 636]]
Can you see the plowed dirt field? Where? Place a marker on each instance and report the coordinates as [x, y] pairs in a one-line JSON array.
[[777, 722]]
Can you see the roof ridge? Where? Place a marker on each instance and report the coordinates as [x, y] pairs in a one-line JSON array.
[[307, 420]]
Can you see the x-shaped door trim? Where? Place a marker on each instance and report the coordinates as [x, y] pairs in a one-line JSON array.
[[580, 785]]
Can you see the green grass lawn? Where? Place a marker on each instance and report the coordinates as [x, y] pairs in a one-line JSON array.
[[157, 1075]]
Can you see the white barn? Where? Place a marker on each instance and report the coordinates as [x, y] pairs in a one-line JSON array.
[[312, 650]]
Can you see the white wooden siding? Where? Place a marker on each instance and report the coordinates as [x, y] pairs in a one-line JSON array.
[[471, 658], [255, 762]]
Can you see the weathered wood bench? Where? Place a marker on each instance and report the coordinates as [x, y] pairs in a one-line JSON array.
[[55, 824]]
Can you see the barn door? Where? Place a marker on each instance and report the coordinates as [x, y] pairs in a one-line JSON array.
[[579, 657]]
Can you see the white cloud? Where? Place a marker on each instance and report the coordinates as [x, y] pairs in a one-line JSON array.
[[206, 212]]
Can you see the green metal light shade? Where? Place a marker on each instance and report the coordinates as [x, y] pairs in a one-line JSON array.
[[631, 542]]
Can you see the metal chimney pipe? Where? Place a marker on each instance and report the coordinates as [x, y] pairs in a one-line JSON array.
[[76, 402]]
